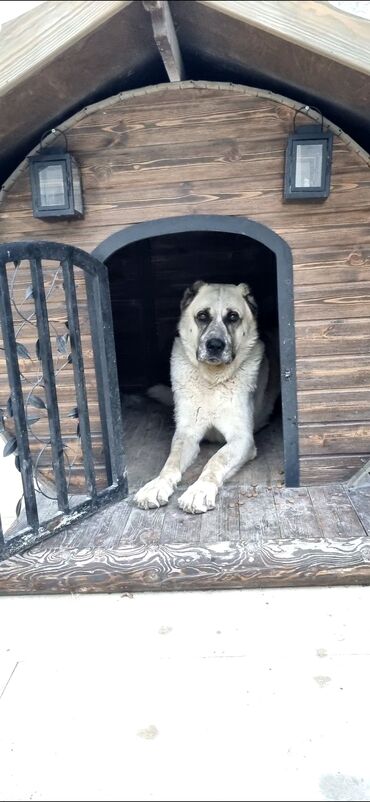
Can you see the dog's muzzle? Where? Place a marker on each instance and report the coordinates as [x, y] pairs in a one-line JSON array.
[[215, 346], [215, 351]]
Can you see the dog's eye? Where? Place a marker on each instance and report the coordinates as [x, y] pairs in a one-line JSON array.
[[203, 316], [232, 317]]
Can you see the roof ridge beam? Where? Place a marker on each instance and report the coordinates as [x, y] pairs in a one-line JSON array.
[[166, 38]]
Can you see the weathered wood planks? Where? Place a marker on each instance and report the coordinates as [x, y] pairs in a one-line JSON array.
[[198, 150], [256, 537]]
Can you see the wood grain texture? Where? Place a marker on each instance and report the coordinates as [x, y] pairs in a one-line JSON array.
[[333, 337], [326, 406], [327, 468], [62, 63], [323, 29], [333, 372], [257, 537], [325, 302], [166, 38], [335, 514], [329, 438], [223, 565], [196, 150], [53, 28]]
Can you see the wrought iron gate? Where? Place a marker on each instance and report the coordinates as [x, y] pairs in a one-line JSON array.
[[46, 288]]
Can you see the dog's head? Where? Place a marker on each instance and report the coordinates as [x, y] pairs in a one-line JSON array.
[[218, 322]]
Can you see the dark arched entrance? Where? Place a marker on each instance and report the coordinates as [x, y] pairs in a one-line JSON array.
[[284, 270]]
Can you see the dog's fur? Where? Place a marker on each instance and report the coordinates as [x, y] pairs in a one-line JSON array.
[[224, 384]]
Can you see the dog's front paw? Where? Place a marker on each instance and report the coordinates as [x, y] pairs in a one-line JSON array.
[[154, 494], [199, 497]]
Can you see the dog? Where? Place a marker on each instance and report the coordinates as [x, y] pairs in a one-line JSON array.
[[224, 384]]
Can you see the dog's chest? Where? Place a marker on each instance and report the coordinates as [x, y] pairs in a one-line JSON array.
[[217, 396], [205, 399], [209, 402]]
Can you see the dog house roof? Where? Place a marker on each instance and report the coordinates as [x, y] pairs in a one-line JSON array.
[[59, 57]]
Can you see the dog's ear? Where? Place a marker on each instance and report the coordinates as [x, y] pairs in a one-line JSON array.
[[248, 297], [190, 293]]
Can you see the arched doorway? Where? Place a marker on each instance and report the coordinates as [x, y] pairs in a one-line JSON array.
[[272, 249]]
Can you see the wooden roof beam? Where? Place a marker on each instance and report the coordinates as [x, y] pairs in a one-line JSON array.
[[54, 27], [315, 25], [166, 38]]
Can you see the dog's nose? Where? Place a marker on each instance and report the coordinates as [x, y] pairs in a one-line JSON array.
[[215, 345]]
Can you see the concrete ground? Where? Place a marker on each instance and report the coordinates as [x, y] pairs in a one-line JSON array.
[[227, 695]]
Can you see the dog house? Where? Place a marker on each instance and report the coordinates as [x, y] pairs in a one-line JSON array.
[[180, 182]]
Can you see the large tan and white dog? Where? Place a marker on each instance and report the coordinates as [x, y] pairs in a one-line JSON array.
[[224, 388]]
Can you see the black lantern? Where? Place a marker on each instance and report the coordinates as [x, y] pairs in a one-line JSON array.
[[55, 182], [308, 162]]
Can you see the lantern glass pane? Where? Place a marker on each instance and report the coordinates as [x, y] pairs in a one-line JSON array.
[[308, 167], [52, 185], [77, 191]]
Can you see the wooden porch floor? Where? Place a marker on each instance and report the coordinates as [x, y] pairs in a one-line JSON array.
[[261, 534]]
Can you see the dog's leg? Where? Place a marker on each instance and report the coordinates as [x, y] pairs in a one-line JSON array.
[[201, 496], [184, 449]]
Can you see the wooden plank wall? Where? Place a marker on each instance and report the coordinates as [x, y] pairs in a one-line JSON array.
[[194, 150]]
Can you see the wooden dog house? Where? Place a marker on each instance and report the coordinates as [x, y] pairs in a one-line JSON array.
[[184, 181]]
